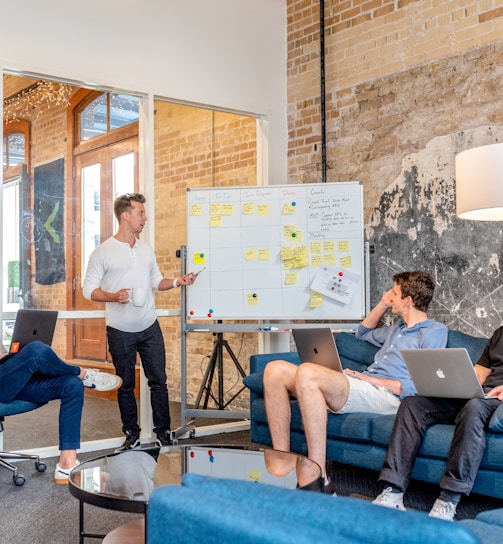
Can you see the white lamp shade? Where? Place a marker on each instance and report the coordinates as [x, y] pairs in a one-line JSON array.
[[479, 183]]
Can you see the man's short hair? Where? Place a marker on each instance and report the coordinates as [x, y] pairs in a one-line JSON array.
[[123, 203], [417, 284]]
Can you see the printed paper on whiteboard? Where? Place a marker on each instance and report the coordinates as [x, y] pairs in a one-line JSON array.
[[337, 283]]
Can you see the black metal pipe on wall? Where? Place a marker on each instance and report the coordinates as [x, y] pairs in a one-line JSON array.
[[322, 95]]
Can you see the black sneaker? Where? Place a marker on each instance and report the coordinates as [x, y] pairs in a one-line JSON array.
[[132, 441], [164, 439]]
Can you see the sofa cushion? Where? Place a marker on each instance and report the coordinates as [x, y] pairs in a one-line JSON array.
[[496, 421], [486, 534], [494, 517], [436, 443], [321, 517], [493, 455], [474, 344], [355, 354], [355, 427]]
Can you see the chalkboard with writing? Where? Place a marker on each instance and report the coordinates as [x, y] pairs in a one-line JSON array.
[[276, 252]]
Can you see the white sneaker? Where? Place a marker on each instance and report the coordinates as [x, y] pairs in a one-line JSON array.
[[443, 510], [101, 381], [390, 500], [61, 474]]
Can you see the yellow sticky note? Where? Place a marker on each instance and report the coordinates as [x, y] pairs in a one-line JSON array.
[[288, 209], [215, 221], [250, 254], [198, 258], [248, 208], [291, 278], [263, 210], [316, 300], [347, 262], [227, 209], [252, 299], [287, 252], [288, 264], [343, 246], [196, 210], [300, 252], [329, 246], [300, 263], [264, 254], [288, 231], [216, 209], [329, 259], [315, 247], [316, 260], [254, 475]]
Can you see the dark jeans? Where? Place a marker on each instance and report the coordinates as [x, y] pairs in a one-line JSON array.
[[149, 344], [413, 418], [37, 374]]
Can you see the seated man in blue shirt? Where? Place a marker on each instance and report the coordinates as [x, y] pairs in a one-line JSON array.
[[37, 374], [379, 389]]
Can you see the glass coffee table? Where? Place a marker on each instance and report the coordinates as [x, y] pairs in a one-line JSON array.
[[124, 481]]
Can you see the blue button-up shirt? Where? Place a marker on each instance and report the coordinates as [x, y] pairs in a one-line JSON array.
[[388, 362]]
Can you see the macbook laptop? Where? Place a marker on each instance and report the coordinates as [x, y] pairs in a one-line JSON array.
[[32, 325], [443, 372], [317, 346]]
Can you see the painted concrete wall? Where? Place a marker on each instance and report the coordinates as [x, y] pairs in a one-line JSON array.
[[224, 53]]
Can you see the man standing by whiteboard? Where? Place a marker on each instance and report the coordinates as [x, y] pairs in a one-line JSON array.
[[123, 272], [379, 389]]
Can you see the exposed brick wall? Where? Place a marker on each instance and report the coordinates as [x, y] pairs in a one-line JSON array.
[[400, 76], [397, 74], [197, 148]]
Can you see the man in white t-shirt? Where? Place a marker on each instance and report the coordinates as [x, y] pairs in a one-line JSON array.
[[119, 265]]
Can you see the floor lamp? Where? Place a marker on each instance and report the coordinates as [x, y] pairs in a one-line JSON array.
[[479, 183]]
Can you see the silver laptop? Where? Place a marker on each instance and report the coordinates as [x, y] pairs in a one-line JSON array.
[[32, 325], [443, 372], [317, 346]]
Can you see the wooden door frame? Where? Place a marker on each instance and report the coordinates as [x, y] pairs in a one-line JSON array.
[[72, 221]]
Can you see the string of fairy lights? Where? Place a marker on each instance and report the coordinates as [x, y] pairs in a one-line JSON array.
[[29, 103]]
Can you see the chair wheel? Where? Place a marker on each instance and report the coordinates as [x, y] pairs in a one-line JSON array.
[[19, 480], [40, 466]]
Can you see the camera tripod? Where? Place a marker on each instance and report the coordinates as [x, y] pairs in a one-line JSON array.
[[216, 364]]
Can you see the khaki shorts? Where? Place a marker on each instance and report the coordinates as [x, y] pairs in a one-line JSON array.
[[365, 397]]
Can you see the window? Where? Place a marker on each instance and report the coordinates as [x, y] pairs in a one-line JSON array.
[[16, 144], [107, 112]]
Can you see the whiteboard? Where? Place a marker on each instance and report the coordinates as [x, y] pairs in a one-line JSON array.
[[276, 252]]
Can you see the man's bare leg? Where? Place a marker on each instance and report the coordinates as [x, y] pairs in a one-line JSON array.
[[279, 384], [318, 387]]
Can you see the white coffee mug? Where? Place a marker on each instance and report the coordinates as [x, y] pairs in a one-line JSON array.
[[138, 296]]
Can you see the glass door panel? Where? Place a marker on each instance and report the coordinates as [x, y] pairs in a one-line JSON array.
[[91, 221]]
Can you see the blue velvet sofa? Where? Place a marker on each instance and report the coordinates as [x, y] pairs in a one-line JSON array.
[[222, 511], [361, 439]]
